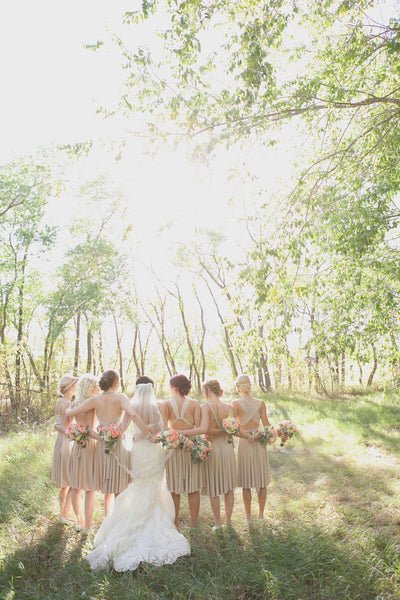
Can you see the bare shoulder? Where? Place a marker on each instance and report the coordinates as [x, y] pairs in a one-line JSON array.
[[235, 402]]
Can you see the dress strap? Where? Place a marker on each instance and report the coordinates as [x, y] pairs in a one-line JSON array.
[[250, 412], [217, 421], [180, 416]]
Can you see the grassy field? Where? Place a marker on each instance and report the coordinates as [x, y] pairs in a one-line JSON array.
[[332, 533]]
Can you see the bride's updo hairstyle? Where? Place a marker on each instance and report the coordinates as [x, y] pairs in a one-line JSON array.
[[181, 383], [144, 379], [108, 379], [212, 386], [244, 382], [66, 382]]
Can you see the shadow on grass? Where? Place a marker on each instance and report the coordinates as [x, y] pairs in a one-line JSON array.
[[26, 490], [374, 421], [279, 562]]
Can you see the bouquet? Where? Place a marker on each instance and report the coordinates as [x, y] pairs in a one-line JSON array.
[[285, 430], [171, 439], [201, 450], [231, 426], [268, 436], [109, 435], [77, 433]]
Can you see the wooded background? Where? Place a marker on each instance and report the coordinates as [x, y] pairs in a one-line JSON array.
[[307, 296]]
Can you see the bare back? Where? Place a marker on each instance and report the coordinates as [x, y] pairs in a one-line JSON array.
[[108, 407], [182, 413], [250, 411], [218, 411], [87, 418]]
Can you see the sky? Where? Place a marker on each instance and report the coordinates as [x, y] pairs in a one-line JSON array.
[[51, 88], [52, 85]]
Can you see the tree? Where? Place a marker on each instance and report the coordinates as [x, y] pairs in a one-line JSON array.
[[24, 190]]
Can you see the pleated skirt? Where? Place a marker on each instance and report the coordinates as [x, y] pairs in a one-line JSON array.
[[61, 460], [112, 473], [83, 465], [219, 470], [183, 477], [253, 465]]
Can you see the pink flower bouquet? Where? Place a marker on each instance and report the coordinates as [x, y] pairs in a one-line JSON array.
[[202, 449], [231, 426], [77, 433], [171, 439], [285, 430], [268, 436], [109, 436]]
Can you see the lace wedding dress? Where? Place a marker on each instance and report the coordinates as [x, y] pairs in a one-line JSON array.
[[141, 526]]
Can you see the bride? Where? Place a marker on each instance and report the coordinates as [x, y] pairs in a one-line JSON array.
[[141, 526]]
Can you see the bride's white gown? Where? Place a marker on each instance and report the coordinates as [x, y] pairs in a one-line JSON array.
[[141, 526]]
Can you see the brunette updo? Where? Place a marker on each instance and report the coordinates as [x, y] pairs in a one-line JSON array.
[[181, 383], [144, 379], [213, 386], [108, 379]]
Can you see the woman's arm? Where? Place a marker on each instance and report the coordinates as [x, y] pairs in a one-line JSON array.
[[61, 427], [164, 413], [92, 421], [125, 422], [89, 404], [263, 415]]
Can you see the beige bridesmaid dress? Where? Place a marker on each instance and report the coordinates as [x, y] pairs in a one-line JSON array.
[[253, 464], [112, 469], [183, 477], [220, 471], [61, 458]]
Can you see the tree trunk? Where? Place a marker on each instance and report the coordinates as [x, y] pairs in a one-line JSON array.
[[77, 341], [360, 377], [375, 365], [89, 345], [343, 369], [227, 339], [34, 368], [203, 335], [100, 352], [119, 350], [20, 329], [193, 365], [134, 354]]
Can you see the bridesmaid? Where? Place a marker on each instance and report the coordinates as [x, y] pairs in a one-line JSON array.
[[183, 477], [219, 474], [62, 448], [82, 472], [110, 407], [253, 466]]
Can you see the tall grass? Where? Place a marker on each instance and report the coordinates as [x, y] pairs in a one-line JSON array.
[[333, 530]]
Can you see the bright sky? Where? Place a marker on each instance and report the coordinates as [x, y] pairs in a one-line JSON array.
[[51, 87]]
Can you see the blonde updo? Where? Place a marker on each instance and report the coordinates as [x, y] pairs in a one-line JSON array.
[[66, 382], [84, 389], [212, 386], [244, 382]]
